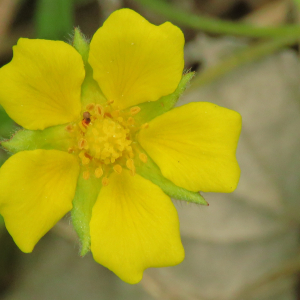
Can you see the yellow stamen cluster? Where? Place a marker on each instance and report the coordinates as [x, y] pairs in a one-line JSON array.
[[104, 141]]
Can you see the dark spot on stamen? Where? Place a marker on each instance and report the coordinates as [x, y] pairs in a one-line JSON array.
[[86, 115], [86, 118]]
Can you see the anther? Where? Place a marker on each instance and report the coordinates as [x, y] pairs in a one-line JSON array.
[[99, 110], [146, 125], [70, 128], [98, 172], [86, 119], [117, 169], [90, 106], [130, 164], [134, 110], [105, 181], [82, 144], [86, 175], [70, 150], [110, 102], [130, 121], [143, 157]]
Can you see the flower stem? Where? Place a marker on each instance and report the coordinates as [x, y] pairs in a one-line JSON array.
[[241, 58], [218, 26]]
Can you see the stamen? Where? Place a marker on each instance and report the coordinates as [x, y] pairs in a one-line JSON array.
[[83, 144], [143, 157], [130, 164], [99, 110], [70, 128], [132, 172], [104, 141], [98, 172], [90, 107], [105, 181], [117, 169], [134, 110], [82, 127], [86, 175], [146, 125], [130, 121]]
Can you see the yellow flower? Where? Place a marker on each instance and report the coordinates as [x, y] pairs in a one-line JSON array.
[[103, 140]]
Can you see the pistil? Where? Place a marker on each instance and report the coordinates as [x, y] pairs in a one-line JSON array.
[[104, 141]]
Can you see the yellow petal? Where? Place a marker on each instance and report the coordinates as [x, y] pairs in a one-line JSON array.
[[134, 226], [194, 145], [135, 61], [40, 87], [37, 188]]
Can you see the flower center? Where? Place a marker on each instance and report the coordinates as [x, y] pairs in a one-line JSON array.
[[103, 140], [107, 140]]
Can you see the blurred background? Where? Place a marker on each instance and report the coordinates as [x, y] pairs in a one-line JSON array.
[[245, 245]]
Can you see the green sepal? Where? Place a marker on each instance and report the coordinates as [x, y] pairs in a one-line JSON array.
[[151, 110], [81, 44], [7, 125], [86, 195], [151, 171], [56, 137], [90, 90]]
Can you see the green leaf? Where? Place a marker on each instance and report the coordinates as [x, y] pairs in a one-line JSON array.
[[152, 172], [85, 197], [54, 19], [56, 137], [151, 110]]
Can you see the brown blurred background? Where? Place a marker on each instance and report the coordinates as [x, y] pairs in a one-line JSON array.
[[243, 246]]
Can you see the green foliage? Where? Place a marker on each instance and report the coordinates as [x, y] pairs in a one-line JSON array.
[[54, 19]]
